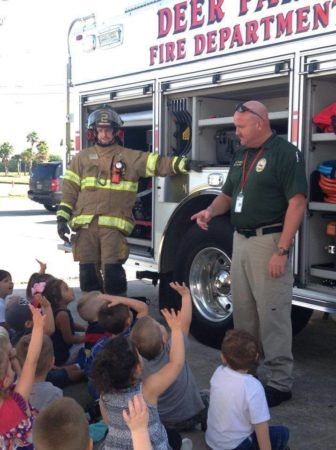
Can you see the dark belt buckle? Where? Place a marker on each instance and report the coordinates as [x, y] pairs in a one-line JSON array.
[[247, 233], [250, 233]]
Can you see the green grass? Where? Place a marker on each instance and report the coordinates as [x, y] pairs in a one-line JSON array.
[[13, 177]]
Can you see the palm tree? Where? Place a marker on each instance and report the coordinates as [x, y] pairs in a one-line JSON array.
[[32, 138], [27, 158], [42, 152], [6, 149], [18, 160]]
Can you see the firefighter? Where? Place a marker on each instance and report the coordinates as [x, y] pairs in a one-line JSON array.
[[99, 192]]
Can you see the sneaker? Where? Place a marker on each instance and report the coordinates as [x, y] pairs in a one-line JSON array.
[[81, 358], [274, 397], [186, 444]]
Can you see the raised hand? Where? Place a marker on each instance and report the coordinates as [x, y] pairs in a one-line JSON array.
[[38, 318], [173, 318], [182, 289], [43, 266], [136, 417]]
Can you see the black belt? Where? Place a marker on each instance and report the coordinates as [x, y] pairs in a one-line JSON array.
[[250, 232]]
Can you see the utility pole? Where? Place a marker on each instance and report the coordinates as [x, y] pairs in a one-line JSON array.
[[68, 88]]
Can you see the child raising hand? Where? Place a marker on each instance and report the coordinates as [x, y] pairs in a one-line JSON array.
[[16, 415], [117, 371]]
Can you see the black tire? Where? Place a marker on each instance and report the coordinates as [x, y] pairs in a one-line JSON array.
[[210, 318], [300, 318], [51, 208]]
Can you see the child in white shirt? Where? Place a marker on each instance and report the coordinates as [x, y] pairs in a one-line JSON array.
[[238, 412]]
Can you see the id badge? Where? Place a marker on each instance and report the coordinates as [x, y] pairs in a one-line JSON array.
[[239, 203]]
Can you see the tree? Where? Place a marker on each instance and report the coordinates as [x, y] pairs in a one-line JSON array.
[[27, 158], [32, 138], [5, 151], [42, 154], [53, 157], [17, 159]]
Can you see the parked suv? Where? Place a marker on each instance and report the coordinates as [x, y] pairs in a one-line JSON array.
[[45, 184]]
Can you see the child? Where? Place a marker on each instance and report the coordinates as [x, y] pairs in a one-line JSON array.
[[38, 277], [88, 307], [10, 350], [43, 392], [115, 317], [116, 373], [62, 425], [19, 318], [238, 413], [6, 288], [180, 406], [16, 415], [67, 344]]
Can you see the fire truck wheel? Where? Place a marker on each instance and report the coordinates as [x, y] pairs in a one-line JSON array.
[[300, 318], [203, 263]]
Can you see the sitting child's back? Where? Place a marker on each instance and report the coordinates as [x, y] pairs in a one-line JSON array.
[[43, 392], [181, 405], [88, 306], [182, 400], [238, 413]]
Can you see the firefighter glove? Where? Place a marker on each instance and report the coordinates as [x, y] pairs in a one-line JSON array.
[[194, 165], [63, 229]]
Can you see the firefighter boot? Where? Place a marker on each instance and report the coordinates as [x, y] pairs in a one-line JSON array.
[[115, 282], [89, 280]]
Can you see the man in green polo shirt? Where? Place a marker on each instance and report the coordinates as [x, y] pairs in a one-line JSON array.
[[265, 191]]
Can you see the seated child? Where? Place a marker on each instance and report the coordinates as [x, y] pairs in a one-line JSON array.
[[6, 288], [19, 319], [62, 425], [10, 350], [114, 316], [68, 345], [238, 413], [16, 415], [181, 405], [88, 307], [117, 371], [38, 277], [43, 392]]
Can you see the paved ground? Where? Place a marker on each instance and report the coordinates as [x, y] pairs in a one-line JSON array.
[[310, 415], [28, 231]]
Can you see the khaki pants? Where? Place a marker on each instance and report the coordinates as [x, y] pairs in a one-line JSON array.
[[100, 245], [262, 305]]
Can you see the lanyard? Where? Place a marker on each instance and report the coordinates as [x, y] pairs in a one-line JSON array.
[[246, 175]]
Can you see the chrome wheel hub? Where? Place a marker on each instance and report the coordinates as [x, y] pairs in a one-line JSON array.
[[210, 284]]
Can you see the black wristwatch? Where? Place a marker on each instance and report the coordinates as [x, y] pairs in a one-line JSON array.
[[282, 251]]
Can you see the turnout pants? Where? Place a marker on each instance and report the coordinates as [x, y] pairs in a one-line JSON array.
[[99, 248], [262, 305], [100, 245]]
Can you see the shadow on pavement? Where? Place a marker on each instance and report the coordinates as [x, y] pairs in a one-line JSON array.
[[31, 212]]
